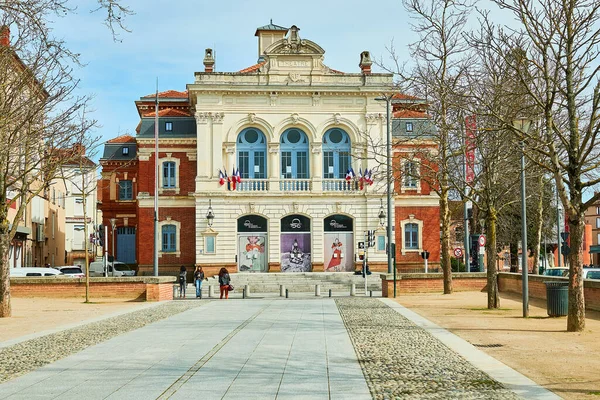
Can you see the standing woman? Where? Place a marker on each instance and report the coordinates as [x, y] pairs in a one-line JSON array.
[[182, 281], [198, 278], [224, 281]]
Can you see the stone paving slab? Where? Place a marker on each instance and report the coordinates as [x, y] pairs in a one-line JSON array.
[[223, 350]]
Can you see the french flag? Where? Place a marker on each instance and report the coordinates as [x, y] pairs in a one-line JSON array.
[[361, 179], [238, 177], [221, 178], [369, 176], [350, 174], [233, 179]]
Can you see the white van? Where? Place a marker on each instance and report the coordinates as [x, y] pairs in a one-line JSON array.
[[115, 268], [32, 271]]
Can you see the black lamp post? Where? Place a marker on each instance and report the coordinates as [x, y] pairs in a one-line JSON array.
[[381, 215], [210, 216]]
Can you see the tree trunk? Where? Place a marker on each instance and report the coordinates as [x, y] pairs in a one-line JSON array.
[[445, 256], [576, 316], [492, 272], [5, 306], [539, 224]]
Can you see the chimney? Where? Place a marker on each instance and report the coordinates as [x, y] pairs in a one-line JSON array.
[[209, 61], [365, 63], [4, 36]]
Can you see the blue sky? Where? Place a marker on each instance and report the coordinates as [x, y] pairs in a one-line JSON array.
[[168, 39]]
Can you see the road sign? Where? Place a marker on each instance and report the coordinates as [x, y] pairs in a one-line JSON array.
[[564, 235], [481, 240], [361, 245], [565, 250], [458, 252]]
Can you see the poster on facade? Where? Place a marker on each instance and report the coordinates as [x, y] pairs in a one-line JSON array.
[[338, 251], [295, 244], [252, 256]]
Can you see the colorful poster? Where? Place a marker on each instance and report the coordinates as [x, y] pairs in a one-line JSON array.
[[295, 252], [252, 256], [339, 252]]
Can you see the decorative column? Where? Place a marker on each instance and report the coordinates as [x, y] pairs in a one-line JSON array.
[[274, 167], [316, 166], [229, 156], [202, 145], [216, 159]]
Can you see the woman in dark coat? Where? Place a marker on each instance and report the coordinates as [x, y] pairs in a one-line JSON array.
[[224, 281]]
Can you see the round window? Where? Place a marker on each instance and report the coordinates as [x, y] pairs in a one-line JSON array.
[[336, 136], [293, 136], [251, 136]]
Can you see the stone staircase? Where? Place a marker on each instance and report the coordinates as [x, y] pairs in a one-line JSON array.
[[300, 282]]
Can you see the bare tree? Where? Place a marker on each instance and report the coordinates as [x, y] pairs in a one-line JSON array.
[[561, 75], [39, 110]]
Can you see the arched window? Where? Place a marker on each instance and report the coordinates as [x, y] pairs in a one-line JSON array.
[[411, 236], [336, 154], [294, 154], [169, 240], [169, 174], [252, 154]]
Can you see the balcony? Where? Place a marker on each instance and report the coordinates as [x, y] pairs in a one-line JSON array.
[[339, 185], [253, 185], [295, 185]]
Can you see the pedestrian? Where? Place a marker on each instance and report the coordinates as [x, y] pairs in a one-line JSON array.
[[224, 281], [198, 278], [182, 281]]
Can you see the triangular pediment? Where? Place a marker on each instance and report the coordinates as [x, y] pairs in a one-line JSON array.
[[293, 44]]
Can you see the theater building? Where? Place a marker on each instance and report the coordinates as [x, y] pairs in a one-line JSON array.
[[265, 153]]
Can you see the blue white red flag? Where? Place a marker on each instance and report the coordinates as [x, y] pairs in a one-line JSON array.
[[221, 178]]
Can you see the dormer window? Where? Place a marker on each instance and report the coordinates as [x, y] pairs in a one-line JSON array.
[[125, 151], [409, 127], [169, 126]]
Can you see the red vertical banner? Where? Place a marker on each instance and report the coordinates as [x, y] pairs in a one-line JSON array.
[[470, 129]]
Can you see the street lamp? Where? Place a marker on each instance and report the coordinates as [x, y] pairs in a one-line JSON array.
[[381, 214], [558, 218], [522, 126], [210, 216], [388, 99], [113, 223]]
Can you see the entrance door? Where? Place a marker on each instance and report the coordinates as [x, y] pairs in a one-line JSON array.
[[338, 244], [252, 242], [126, 245], [295, 244]]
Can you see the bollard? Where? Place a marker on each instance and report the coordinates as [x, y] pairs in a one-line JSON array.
[[286, 293], [353, 290], [211, 291], [175, 291], [370, 293], [243, 293], [247, 289], [281, 290], [329, 292], [317, 290]]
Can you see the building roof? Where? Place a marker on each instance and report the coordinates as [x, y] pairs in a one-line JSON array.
[[252, 68], [410, 114], [402, 96], [170, 94], [122, 139], [169, 112], [183, 127], [271, 27]]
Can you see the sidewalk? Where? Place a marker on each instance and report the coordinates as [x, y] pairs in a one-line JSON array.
[[257, 349]]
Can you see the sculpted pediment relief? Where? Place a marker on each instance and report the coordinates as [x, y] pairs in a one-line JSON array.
[[292, 44]]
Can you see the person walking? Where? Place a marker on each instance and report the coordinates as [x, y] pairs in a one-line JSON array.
[[224, 281], [182, 281], [198, 278]]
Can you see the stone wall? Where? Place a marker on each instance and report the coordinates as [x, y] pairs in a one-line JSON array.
[[134, 288], [511, 282], [431, 283]]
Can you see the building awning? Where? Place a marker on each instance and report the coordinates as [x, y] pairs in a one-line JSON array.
[[595, 249]]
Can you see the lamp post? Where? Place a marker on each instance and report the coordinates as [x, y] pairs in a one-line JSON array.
[[522, 125], [388, 99], [558, 218], [210, 216], [113, 224]]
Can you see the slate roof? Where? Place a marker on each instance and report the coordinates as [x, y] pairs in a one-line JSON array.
[[113, 149], [271, 27], [183, 127]]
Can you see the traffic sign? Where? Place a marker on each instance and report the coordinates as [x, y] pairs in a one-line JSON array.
[[458, 252], [481, 240], [361, 245]]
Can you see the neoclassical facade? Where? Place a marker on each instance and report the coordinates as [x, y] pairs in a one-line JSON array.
[[268, 151]]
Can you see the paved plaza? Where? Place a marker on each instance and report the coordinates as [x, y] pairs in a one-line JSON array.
[[270, 348]]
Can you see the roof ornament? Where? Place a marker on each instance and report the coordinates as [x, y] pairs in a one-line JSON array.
[[293, 42]]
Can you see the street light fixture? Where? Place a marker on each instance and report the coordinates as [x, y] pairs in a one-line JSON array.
[[210, 216], [381, 215], [388, 99], [522, 126], [113, 224]]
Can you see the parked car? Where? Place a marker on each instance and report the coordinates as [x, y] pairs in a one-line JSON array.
[[33, 271], [115, 268], [74, 271], [558, 271], [591, 273]]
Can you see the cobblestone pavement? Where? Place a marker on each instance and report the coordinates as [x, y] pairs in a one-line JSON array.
[[26, 356], [403, 361]]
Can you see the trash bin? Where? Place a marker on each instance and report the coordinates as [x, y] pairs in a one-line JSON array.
[[557, 298]]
